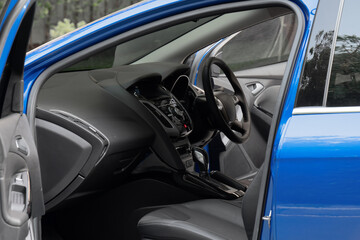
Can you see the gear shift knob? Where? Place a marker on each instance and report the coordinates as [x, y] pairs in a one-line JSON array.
[[201, 157]]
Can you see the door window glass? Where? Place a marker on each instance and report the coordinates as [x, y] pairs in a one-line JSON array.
[[344, 86], [260, 45], [317, 59]]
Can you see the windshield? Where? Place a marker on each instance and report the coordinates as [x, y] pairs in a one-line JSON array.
[[133, 50]]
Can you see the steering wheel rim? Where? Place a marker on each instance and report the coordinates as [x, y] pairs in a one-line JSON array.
[[223, 105]]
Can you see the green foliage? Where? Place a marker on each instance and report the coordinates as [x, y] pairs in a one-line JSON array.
[[64, 27], [80, 24], [45, 7], [51, 14], [2, 3], [96, 3], [347, 60]]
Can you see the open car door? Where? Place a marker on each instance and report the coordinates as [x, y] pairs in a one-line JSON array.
[[20, 180]]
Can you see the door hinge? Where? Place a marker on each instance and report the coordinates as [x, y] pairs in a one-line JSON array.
[[268, 219]]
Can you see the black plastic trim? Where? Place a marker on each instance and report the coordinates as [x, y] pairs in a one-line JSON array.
[[76, 125]]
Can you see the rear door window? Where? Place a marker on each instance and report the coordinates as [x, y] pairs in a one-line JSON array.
[[331, 76], [344, 85]]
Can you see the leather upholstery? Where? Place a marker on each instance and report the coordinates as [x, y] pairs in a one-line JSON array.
[[205, 219], [214, 219]]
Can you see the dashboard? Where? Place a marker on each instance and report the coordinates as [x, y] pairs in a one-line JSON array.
[[94, 127]]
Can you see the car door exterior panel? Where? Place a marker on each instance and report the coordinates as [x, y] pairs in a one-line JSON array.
[[317, 166]]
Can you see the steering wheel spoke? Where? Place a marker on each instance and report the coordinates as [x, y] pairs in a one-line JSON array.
[[236, 126]]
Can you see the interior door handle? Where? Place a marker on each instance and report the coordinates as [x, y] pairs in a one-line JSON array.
[[20, 192], [255, 88], [21, 145]]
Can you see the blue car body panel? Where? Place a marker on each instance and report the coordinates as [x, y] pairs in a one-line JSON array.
[[315, 177], [8, 11], [12, 32]]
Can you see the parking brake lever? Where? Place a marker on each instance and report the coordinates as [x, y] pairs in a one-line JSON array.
[[201, 157], [227, 180]]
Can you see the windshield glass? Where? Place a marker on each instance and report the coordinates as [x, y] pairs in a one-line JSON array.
[[130, 51]]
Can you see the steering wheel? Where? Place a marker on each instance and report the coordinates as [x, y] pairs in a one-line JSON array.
[[222, 106]]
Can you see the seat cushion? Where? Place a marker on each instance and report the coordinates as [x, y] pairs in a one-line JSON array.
[[205, 219]]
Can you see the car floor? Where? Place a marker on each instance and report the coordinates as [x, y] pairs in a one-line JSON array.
[[112, 214]]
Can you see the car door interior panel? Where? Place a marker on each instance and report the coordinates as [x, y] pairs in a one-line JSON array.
[[20, 176], [21, 196]]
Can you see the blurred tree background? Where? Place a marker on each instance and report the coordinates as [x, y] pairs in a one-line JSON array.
[[2, 2], [54, 18]]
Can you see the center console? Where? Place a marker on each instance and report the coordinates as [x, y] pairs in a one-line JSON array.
[[172, 116], [177, 123]]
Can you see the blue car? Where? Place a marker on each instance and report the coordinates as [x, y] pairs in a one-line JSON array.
[[182, 119]]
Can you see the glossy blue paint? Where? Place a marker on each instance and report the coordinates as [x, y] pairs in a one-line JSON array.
[[318, 157], [8, 10], [43, 57], [12, 32]]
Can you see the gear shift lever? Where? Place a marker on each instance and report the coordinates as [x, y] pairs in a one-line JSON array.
[[201, 157]]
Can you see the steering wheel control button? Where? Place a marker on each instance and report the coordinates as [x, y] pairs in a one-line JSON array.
[[219, 104], [236, 99]]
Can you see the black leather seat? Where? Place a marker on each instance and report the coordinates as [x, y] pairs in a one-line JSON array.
[[205, 219]]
